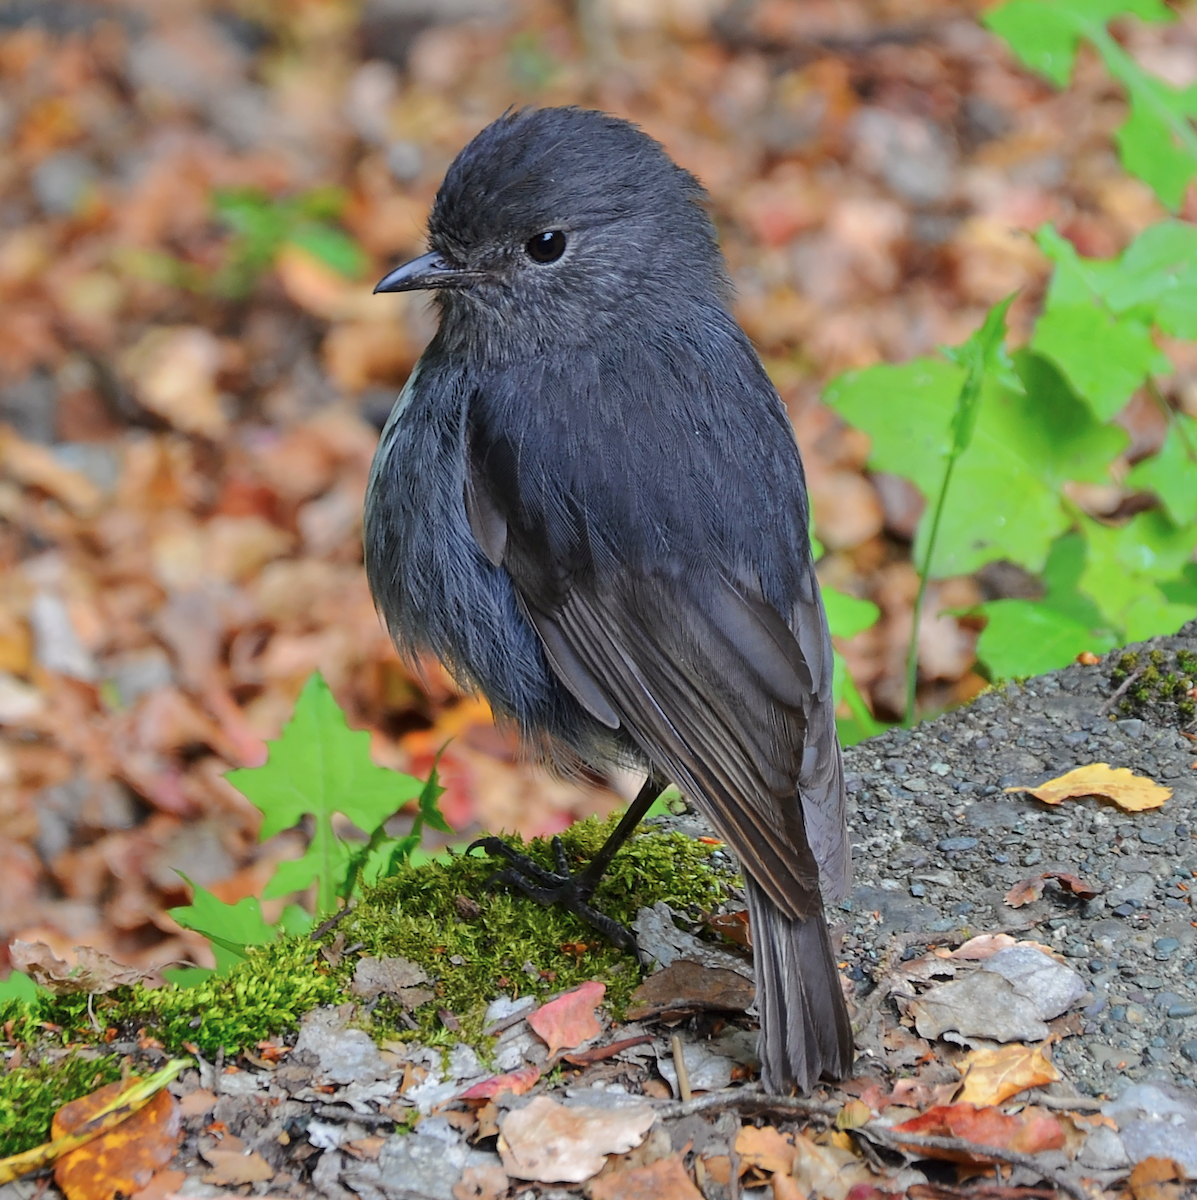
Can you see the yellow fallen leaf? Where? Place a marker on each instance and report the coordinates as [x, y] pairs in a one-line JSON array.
[[1129, 791], [993, 1075]]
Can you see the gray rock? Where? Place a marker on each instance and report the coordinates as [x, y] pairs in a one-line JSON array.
[[345, 1054], [1103, 1150], [1140, 888], [1157, 1120]]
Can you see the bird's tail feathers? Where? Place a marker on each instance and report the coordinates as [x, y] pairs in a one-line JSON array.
[[806, 1033]]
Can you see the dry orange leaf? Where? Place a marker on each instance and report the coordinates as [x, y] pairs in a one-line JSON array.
[[1156, 1179], [569, 1020], [993, 1075], [768, 1149], [1030, 889], [1028, 1132], [665, 1179], [123, 1160], [1129, 791]]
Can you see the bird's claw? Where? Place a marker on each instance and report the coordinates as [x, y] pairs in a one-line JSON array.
[[562, 887]]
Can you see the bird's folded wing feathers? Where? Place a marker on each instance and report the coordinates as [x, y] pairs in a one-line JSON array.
[[712, 684]]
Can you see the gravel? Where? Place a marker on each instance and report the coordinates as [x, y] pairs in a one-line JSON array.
[[937, 843]]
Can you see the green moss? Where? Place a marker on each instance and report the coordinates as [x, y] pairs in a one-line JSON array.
[[1160, 685], [513, 944], [414, 914], [30, 1096]]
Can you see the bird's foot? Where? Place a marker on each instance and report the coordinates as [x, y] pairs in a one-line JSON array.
[[572, 892]]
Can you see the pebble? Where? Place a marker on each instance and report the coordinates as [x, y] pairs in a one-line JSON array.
[[1189, 1050], [1165, 947], [947, 845], [1151, 982], [918, 889], [1180, 1011], [1032, 858]]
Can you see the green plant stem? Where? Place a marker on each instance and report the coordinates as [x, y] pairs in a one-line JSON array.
[[912, 653]]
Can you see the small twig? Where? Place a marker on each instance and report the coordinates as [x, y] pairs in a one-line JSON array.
[[505, 1023], [1123, 688], [342, 1112], [331, 923], [1069, 1103], [747, 1096], [897, 1141], [679, 1065]]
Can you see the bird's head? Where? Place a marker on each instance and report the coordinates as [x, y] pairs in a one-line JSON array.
[[555, 223]]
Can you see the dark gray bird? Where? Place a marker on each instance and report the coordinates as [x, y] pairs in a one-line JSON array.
[[588, 503]]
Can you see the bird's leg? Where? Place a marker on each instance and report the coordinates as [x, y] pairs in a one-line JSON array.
[[571, 891]]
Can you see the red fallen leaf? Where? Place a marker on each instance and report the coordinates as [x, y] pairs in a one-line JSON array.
[[516, 1082], [1027, 1132], [569, 1020]]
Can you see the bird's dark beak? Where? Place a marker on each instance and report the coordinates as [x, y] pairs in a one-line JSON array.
[[427, 271]]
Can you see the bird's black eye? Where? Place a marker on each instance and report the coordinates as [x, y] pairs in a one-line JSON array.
[[546, 247]]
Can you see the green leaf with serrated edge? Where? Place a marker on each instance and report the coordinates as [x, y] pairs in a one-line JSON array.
[[1124, 567], [848, 615], [295, 919], [1060, 438], [1158, 273], [1045, 40], [19, 986], [1172, 473], [430, 795], [1005, 501], [1027, 637], [317, 767], [233, 926]]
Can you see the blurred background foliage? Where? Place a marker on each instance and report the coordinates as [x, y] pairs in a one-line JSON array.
[[196, 197]]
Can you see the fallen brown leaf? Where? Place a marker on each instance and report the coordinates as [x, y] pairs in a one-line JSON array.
[[93, 971], [481, 1183], [993, 1075], [232, 1168], [1156, 1179], [685, 987], [124, 1159], [826, 1171], [665, 1179], [1030, 889], [767, 1149], [550, 1143], [1131, 792]]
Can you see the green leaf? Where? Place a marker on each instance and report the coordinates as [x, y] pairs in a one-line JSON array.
[[228, 927], [1184, 589], [1125, 567], [1149, 149], [430, 795], [1026, 637], [233, 926], [983, 354], [1172, 473], [320, 766], [1158, 271], [1044, 39], [332, 247], [18, 986], [1004, 502], [848, 615], [861, 724]]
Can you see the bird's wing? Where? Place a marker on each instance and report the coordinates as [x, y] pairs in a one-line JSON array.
[[710, 682], [702, 673]]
